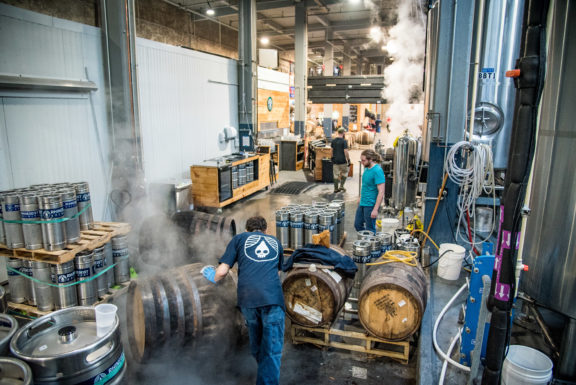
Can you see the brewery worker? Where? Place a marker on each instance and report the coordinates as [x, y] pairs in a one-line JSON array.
[[372, 192], [260, 298], [340, 160]]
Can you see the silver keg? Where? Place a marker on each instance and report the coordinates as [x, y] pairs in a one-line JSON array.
[[63, 348], [363, 234], [385, 241], [52, 212], [84, 205], [361, 251], [83, 263], [3, 300], [241, 175], [342, 215], [410, 244], [99, 265], [64, 274], [296, 229], [70, 205], [15, 372], [121, 257], [234, 177], [30, 293], [283, 228], [29, 213], [109, 261], [332, 228], [375, 247], [310, 226], [325, 221], [16, 282], [8, 327], [42, 291], [11, 212], [401, 235]]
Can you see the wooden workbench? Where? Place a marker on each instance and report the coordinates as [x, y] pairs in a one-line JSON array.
[[205, 185]]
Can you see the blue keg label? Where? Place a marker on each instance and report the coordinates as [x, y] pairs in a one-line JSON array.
[[69, 204], [106, 375], [35, 214], [52, 213], [12, 207], [99, 263], [297, 225], [116, 253], [313, 226], [375, 254], [83, 273], [386, 248], [323, 227], [26, 270], [282, 223], [331, 227], [361, 259], [65, 278], [13, 273], [83, 197], [339, 220], [307, 226]]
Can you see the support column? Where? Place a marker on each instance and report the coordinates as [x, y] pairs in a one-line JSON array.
[[346, 71], [247, 74], [300, 58], [118, 33], [359, 63], [328, 71]]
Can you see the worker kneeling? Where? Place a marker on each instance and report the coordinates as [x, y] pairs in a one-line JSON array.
[[260, 298]]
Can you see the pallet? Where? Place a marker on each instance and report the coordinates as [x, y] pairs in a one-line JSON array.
[[29, 310], [90, 240], [398, 350]]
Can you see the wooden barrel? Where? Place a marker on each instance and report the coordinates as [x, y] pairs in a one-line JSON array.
[[180, 308], [315, 296], [392, 300]]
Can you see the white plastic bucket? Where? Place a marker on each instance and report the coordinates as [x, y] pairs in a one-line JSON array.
[[451, 261], [389, 225], [524, 365]]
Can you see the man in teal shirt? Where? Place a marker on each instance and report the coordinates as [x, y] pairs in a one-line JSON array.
[[372, 192]]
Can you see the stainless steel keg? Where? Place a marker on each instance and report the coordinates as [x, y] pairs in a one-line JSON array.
[[400, 235], [15, 372], [3, 300], [8, 327], [52, 212], [64, 274], [333, 226], [121, 257], [84, 205], [43, 291], [283, 228], [375, 247], [63, 348], [361, 251], [86, 291], [11, 212], [410, 244], [30, 293], [363, 234], [29, 212], [70, 205], [310, 226], [2, 231], [385, 241], [99, 265], [324, 221], [109, 261], [16, 282], [296, 229], [341, 216]]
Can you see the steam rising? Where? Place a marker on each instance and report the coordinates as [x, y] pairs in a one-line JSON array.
[[403, 77]]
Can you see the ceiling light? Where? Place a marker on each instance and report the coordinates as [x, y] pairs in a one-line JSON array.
[[264, 40], [375, 33], [354, 1], [210, 12], [391, 48]]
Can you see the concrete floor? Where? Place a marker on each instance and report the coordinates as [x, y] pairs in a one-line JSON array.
[[308, 364]]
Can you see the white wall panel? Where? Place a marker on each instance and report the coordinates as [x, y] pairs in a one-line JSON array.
[[273, 80], [186, 99], [49, 137]]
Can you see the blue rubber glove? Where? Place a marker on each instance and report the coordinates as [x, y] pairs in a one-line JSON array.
[[209, 272]]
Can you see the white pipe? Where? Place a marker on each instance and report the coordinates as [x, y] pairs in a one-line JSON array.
[[434, 340], [445, 364], [479, 27]]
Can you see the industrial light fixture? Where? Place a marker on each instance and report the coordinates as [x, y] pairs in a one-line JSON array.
[[210, 11], [391, 47], [354, 1], [264, 40]]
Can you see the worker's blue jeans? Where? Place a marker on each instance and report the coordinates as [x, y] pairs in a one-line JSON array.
[[266, 329], [363, 220]]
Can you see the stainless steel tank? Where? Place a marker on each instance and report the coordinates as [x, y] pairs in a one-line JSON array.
[[363, 234], [63, 348], [324, 221], [333, 226], [375, 247], [405, 184], [42, 291], [86, 291], [121, 258], [500, 45], [63, 275], [29, 212]]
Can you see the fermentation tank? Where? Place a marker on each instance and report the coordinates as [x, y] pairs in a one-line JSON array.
[[405, 172]]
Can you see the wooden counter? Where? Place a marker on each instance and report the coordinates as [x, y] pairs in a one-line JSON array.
[[206, 188]]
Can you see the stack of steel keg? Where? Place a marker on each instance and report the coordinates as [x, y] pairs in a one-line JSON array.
[[249, 172], [295, 224]]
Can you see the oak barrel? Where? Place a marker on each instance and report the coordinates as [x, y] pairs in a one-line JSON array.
[[314, 296], [181, 308], [392, 300]]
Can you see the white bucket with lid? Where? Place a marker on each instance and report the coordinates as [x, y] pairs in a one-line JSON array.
[[450, 263], [524, 365], [389, 225]]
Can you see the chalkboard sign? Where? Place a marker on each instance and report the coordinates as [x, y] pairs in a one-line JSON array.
[[353, 113]]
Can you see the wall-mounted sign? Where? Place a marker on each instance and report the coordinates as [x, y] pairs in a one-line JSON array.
[[269, 103]]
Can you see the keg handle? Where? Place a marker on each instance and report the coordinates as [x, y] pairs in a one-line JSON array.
[[100, 352], [31, 332]]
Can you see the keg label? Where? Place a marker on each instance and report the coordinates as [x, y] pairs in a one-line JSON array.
[[375, 254], [26, 270], [105, 376], [64, 278], [283, 224], [52, 213], [12, 273], [361, 259], [69, 204], [323, 227], [30, 214], [99, 263], [116, 253], [83, 273], [83, 197], [12, 207], [313, 226], [297, 225], [339, 220]]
